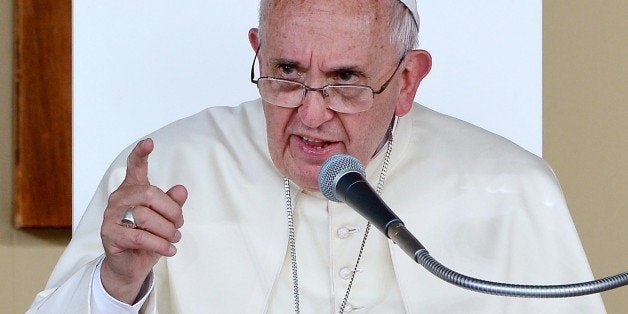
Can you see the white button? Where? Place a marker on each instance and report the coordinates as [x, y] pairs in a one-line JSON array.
[[351, 308], [345, 272], [344, 232]]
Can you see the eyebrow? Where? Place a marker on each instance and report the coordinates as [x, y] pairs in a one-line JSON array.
[[351, 69], [340, 69], [282, 61], [357, 70]]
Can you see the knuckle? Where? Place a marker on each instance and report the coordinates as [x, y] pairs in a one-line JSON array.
[[109, 217], [165, 248], [114, 197], [110, 240], [180, 221], [173, 213], [149, 192], [152, 192], [137, 238], [140, 214], [172, 234]]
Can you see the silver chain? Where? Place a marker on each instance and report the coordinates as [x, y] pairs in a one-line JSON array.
[[292, 241], [292, 244]]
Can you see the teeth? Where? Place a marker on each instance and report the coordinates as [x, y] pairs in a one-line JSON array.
[[307, 139], [314, 142]]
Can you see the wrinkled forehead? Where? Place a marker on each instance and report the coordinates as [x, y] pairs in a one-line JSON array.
[[278, 6], [360, 22]]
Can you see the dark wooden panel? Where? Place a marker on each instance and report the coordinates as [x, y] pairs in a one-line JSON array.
[[43, 113]]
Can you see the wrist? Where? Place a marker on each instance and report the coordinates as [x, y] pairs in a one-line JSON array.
[[123, 288]]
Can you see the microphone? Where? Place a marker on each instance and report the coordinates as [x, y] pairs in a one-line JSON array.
[[342, 179]]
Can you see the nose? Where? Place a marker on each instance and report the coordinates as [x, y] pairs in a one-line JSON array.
[[313, 111]]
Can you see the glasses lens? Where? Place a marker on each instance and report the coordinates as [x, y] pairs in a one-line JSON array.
[[281, 93], [340, 98], [349, 99]]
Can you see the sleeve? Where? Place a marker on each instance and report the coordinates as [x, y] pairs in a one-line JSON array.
[[102, 302]]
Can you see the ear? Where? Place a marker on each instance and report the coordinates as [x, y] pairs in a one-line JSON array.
[[254, 39], [417, 65]]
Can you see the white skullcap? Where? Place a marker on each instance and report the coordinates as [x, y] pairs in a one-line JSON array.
[[411, 5]]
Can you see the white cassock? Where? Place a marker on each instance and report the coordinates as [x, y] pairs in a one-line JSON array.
[[480, 204]]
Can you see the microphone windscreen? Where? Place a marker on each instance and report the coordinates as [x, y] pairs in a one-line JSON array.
[[333, 169]]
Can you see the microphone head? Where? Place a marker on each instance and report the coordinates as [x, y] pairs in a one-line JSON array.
[[333, 169]]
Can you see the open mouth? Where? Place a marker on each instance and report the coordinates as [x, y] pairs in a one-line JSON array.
[[316, 143]]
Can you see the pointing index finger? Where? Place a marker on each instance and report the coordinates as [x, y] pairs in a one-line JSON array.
[[137, 163]]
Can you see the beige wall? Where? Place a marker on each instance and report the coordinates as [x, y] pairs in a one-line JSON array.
[[585, 123], [26, 257]]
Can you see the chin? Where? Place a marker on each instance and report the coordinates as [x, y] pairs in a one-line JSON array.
[[306, 179], [306, 183]]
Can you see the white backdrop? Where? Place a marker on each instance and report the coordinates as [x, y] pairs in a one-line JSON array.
[[138, 65]]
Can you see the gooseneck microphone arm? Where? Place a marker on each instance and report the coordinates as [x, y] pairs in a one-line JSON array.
[[411, 246], [342, 178]]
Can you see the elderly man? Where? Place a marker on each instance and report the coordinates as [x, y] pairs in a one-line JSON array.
[[334, 77]]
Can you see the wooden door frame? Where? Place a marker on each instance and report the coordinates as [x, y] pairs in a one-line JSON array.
[[43, 113]]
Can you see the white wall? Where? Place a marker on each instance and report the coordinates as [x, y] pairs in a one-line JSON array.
[[141, 64]]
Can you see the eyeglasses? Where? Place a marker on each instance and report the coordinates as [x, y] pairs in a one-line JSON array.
[[344, 98]]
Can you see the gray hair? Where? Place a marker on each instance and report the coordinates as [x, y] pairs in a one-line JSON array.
[[404, 32]]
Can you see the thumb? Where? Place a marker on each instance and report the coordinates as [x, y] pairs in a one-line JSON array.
[[179, 194], [137, 163]]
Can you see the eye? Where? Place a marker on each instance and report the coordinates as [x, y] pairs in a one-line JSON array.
[[347, 77], [287, 71]]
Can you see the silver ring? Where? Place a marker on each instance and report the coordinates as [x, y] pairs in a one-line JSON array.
[[128, 220]]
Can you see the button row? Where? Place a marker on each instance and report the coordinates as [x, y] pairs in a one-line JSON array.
[[346, 272]]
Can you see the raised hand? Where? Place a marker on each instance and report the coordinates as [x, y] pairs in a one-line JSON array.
[[131, 253]]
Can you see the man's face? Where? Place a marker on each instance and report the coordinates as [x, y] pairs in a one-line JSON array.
[[319, 43]]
